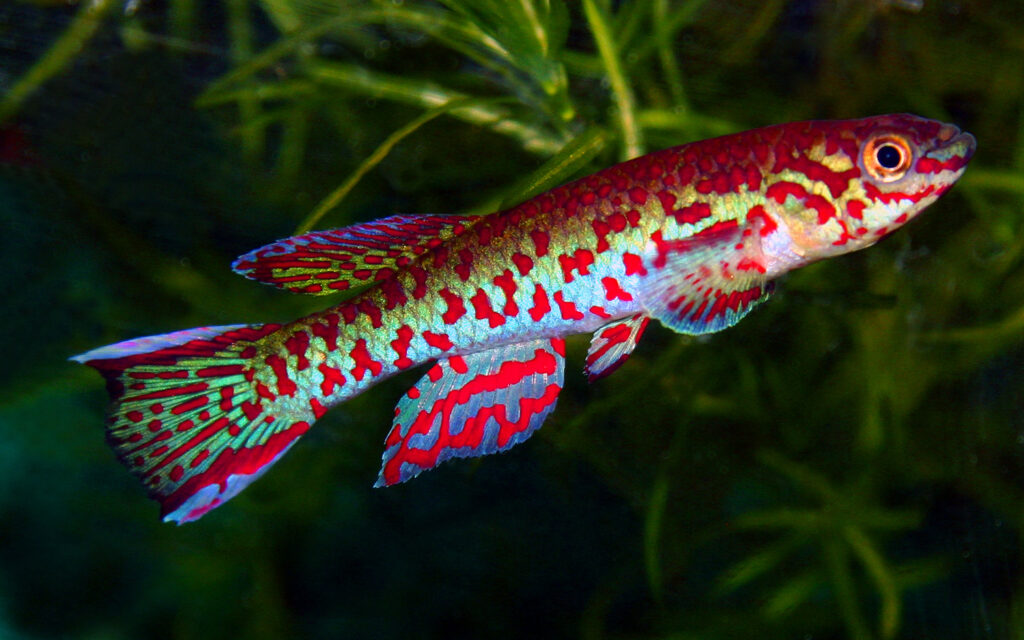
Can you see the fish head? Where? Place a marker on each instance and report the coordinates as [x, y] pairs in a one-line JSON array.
[[854, 182]]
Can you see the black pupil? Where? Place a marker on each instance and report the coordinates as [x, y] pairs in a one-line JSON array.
[[888, 156]]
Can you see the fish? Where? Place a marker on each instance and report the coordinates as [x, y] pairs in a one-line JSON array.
[[693, 236]]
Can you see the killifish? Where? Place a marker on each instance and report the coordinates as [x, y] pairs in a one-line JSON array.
[[692, 236]]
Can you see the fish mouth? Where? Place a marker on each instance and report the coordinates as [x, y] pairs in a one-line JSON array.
[[953, 144]]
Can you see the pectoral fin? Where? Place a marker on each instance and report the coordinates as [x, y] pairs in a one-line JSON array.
[[708, 282]]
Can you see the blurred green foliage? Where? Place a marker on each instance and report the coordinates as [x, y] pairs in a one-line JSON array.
[[846, 463]]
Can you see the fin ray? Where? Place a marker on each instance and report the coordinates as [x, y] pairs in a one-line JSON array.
[[323, 262], [186, 417], [708, 282], [473, 405], [612, 344]]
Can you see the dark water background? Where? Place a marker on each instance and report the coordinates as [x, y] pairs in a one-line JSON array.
[[848, 462]]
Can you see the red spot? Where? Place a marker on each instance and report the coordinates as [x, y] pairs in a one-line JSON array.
[[826, 210], [419, 276], [465, 264], [567, 308], [458, 364], [200, 457], [298, 345], [705, 187], [363, 361], [601, 230], [506, 282], [394, 294], [251, 410], [749, 264], [456, 308], [523, 263], [435, 373], [332, 378], [214, 372], [855, 209], [318, 409], [758, 213], [580, 261], [401, 346], [781, 190], [264, 392], [722, 184], [484, 232], [633, 217], [753, 178], [613, 291], [540, 240], [177, 472], [482, 305], [438, 340], [617, 222], [638, 195], [327, 332], [693, 213], [373, 311], [413, 393], [633, 264], [190, 405], [134, 416], [540, 304], [225, 394], [285, 386], [155, 425], [600, 312], [686, 174]]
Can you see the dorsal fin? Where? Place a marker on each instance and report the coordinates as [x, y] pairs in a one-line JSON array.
[[322, 262]]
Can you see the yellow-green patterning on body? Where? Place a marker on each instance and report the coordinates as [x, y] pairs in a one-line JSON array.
[[691, 236]]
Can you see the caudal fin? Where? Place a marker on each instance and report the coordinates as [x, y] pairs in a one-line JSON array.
[[188, 418]]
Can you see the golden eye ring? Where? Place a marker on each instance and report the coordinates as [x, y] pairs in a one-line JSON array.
[[887, 157]]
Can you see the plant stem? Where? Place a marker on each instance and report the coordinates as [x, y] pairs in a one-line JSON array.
[[632, 143]]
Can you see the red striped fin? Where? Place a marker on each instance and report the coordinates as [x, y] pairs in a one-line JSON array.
[[612, 344], [473, 405], [186, 418], [710, 281], [323, 262]]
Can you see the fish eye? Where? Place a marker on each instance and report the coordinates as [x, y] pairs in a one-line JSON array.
[[887, 157]]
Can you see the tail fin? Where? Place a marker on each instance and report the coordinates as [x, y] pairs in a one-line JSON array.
[[188, 418]]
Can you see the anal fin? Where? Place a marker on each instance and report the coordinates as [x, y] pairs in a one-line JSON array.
[[473, 405]]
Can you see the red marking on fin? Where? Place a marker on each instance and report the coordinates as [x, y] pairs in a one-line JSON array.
[[478, 404], [216, 438], [352, 256], [612, 344]]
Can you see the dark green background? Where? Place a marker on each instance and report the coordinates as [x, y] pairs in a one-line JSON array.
[[845, 463]]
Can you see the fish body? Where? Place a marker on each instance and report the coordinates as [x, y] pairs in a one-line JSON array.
[[691, 236]]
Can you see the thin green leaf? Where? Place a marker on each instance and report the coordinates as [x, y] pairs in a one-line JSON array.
[[632, 138], [421, 93], [565, 164], [374, 159], [881, 575], [88, 19]]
